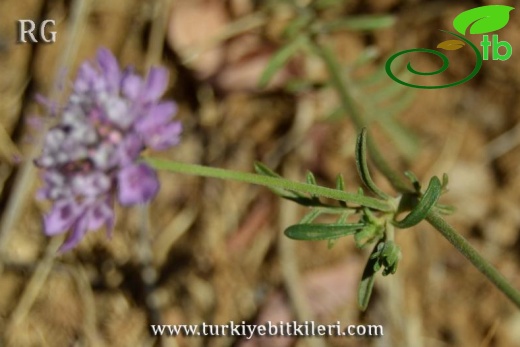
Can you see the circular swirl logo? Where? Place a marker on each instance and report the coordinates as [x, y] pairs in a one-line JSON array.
[[479, 20], [444, 67]]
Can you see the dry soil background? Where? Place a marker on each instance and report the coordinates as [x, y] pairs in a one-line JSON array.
[[217, 248]]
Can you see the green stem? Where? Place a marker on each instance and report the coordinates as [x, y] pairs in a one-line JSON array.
[[349, 105], [273, 182], [472, 255]]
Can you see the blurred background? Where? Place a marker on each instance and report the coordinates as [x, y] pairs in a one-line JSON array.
[[215, 250]]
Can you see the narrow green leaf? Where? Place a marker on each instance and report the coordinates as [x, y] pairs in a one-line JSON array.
[[310, 178], [278, 60], [340, 185], [341, 220], [362, 166], [445, 181], [367, 22], [340, 182], [323, 4], [367, 280], [483, 19], [314, 232], [415, 181], [264, 170], [298, 24], [344, 217], [422, 209], [309, 217], [445, 209], [334, 210]]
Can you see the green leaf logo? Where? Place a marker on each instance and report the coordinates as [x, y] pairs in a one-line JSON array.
[[482, 20]]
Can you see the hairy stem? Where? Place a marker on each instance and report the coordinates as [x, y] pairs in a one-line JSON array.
[[474, 257], [273, 182]]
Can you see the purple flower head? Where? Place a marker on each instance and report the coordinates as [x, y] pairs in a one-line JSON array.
[[90, 158]]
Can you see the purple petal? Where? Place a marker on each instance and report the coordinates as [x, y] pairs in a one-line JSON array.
[[80, 229], [85, 78], [131, 86], [158, 115], [156, 129], [165, 137], [99, 214], [137, 184], [110, 68], [156, 84], [129, 149], [63, 215]]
